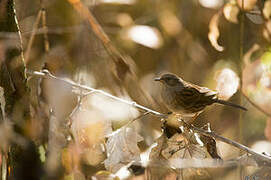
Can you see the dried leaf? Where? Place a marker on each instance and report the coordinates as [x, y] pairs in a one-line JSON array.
[[177, 152], [227, 83], [213, 34], [180, 145], [156, 151], [122, 148], [210, 144], [231, 12], [255, 16]]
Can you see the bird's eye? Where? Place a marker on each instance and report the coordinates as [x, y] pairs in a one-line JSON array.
[[171, 82]]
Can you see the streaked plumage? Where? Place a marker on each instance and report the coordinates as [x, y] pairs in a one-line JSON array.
[[187, 98]]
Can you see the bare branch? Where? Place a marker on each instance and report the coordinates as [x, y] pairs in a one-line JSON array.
[[47, 74], [20, 37], [44, 26], [32, 36]]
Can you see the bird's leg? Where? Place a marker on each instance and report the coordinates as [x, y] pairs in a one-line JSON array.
[[195, 117]]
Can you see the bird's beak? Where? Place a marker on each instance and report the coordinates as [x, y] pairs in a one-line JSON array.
[[157, 79]]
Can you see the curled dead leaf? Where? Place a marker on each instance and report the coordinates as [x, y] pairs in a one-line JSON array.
[[213, 34]]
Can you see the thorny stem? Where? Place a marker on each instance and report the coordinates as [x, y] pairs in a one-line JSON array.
[[47, 74]]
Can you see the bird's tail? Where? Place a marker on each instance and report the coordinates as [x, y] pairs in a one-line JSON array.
[[231, 104]]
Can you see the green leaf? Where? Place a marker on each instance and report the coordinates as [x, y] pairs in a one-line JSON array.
[[266, 59], [42, 154]]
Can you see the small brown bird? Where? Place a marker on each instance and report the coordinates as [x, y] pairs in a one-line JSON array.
[[186, 98]]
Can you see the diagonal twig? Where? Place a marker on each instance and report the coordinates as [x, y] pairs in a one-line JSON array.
[[47, 74]]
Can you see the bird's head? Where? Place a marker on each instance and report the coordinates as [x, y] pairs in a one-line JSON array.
[[170, 80]]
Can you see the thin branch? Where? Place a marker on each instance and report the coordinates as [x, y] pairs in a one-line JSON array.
[[91, 19], [79, 102], [261, 157], [4, 167], [47, 74], [256, 105], [97, 29], [20, 39], [45, 34], [139, 117], [32, 36]]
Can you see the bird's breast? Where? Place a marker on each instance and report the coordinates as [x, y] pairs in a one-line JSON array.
[[173, 102]]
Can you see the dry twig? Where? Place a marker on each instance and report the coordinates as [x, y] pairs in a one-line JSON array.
[[47, 74]]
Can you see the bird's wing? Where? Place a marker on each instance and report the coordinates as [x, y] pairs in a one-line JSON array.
[[204, 91], [189, 96], [198, 97]]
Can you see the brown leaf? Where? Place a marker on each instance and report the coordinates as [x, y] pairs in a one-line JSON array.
[[210, 144], [122, 148], [213, 34]]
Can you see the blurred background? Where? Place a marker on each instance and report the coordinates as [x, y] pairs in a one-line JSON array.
[[223, 45]]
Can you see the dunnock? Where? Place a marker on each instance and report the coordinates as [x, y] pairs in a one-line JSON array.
[[186, 98]]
